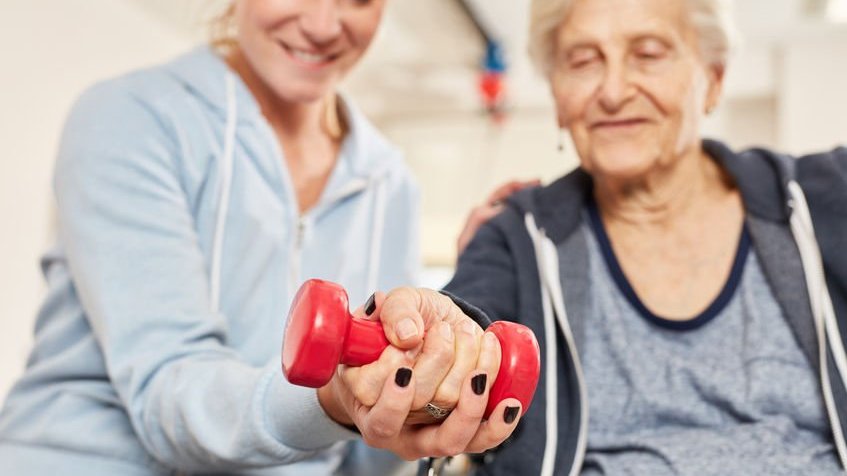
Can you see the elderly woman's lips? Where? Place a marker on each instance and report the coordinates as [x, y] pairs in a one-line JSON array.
[[623, 123]]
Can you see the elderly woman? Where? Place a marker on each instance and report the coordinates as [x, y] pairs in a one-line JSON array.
[[687, 322]]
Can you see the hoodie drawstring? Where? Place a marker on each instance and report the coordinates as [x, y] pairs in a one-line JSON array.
[[553, 303], [224, 184], [822, 310], [551, 410], [376, 238]]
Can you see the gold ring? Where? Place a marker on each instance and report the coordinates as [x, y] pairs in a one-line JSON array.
[[437, 412]]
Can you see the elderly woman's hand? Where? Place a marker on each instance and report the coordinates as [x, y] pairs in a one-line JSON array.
[[453, 367], [453, 347]]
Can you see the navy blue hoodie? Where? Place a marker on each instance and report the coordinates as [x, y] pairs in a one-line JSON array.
[[531, 258]]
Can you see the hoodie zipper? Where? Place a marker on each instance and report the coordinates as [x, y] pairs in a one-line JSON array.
[[300, 223], [303, 223]]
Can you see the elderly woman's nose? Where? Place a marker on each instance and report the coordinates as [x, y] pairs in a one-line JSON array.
[[321, 20], [616, 87]]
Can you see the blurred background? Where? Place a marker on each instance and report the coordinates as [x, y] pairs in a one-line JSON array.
[[787, 89]]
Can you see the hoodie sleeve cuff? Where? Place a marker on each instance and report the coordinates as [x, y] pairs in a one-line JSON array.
[[297, 420], [475, 313]]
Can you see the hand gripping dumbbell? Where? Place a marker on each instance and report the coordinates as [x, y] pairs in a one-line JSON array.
[[321, 334]]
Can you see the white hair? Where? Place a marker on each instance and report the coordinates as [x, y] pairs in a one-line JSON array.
[[712, 20]]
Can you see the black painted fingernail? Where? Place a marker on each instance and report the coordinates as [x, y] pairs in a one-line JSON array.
[[403, 377], [478, 383], [510, 414], [370, 305]]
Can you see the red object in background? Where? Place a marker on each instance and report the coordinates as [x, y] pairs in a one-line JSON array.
[[321, 334], [491, 88]]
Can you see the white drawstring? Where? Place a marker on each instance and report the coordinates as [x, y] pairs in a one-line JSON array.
[[225, 184], [553, 300], [825, 323], [551, 410], [376, 238]]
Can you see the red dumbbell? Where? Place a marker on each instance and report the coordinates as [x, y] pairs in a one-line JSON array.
[[321, 334]]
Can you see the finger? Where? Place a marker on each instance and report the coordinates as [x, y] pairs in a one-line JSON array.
[[468, 342], [383, 421], [486, 212], [406, 313], [434, 362], [494, 431], [370, 310], [488, 362], [490, 355], [456, 432], [366, 382], [509, 188]]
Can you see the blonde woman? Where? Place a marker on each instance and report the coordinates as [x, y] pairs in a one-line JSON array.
[[193, 198]]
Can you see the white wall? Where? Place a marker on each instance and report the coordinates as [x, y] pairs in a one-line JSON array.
[[460, 158], [812, 111]]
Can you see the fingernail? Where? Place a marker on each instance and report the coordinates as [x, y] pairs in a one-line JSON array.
[[509, 415], [370, 305], [478, 384], [406, 329], [468, 327], [404, 376], [445, 331]]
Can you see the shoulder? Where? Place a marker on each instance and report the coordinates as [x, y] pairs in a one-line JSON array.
[[121, 125], [825, 166], [823, 178], [128, 107]]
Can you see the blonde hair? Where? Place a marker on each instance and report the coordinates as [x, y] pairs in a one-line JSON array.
[[222, 30], [712, 19]]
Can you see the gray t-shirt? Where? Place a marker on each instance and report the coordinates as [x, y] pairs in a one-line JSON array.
[[728, 393]]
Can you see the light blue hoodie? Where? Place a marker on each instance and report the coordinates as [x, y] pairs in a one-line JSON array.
[[179, 250]]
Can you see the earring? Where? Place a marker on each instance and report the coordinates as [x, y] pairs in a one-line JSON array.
[[561, 145]]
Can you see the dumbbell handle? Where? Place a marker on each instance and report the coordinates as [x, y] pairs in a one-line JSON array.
[[364, 343]]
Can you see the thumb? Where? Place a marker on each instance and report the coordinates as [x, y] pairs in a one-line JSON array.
[[406, 313]]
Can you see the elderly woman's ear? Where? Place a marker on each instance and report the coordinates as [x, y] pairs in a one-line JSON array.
[[716, 78]]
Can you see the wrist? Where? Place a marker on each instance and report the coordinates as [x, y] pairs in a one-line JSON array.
[[332, 407]]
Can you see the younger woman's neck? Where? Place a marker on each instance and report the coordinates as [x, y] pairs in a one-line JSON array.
[[292, 121]]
